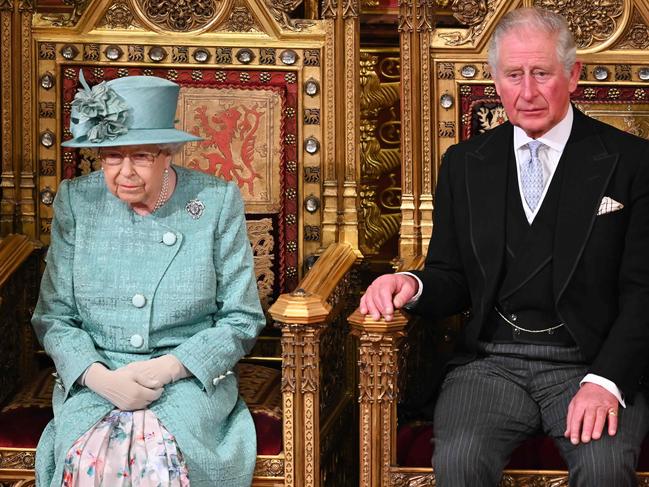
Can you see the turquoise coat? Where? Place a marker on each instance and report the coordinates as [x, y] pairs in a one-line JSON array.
[[120, 287]]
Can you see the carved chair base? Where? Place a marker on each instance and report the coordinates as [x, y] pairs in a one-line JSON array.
[[424, 477]]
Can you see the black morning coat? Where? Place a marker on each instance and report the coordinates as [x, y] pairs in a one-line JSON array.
[[600, 264]]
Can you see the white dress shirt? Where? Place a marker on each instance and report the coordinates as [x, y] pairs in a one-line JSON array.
[[553, 142]]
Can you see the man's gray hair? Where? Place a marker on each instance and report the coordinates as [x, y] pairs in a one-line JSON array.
[[539, 19]]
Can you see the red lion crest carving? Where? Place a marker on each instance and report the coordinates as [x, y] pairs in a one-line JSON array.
[[223, 132]]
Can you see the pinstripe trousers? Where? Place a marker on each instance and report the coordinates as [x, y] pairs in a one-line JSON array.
[[487, 407]]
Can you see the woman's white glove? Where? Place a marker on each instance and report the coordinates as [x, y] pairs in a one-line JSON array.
[[122, 387], [159, 371]]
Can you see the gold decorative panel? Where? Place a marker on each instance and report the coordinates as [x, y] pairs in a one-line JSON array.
[[630, 118], [260, 233], [380, 153], [242, 130], [592, 22]]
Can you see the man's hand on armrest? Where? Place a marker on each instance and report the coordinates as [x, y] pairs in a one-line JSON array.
[[387, 293]]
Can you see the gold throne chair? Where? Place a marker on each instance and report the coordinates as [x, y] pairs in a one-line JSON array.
[[447, 79], [264, 90]]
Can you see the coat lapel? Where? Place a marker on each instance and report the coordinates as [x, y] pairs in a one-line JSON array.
[[486, 180], [588, 169]]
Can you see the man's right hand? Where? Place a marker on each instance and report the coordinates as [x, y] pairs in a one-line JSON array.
[[387, 293], [122, 387]]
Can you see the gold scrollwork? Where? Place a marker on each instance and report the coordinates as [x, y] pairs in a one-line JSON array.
[[560, 480], [374, 94], [376, 160], [71, 19], [180, 16], [472, 13], [389, 68], [390, 197], [262, 241], [269, 467], [17, 459], [241, 19], [637, 34], [590, 22], [281, 10], [119, 16], [369, 4], [413, 480], [389, 132], [379, 227]]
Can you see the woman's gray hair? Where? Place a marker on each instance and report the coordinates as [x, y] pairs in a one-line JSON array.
[[171, 149], [540, 19]]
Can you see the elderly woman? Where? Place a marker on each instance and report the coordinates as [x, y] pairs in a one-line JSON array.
[[148, 301]]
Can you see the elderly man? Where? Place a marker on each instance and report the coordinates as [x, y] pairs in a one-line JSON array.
[[542, 229]]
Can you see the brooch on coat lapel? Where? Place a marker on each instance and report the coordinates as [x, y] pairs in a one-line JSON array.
[[195, 208]]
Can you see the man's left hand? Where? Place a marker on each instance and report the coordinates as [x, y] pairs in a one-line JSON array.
[[588, 413]]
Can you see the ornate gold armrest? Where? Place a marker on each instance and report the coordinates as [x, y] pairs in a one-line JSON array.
[[308, 320], [379, 364]]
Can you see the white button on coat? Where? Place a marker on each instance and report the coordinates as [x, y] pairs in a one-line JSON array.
[[218, 379], [137, 341], [169, 238], [138, 300]]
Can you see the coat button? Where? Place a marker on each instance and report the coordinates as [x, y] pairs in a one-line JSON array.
[[216, 380], [137, 341], [138, 300], [169, 238]]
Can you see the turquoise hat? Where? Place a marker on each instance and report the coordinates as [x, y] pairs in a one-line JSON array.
[[134, 110]]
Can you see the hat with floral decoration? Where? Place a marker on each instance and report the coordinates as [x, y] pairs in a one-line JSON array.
[[134, 110]]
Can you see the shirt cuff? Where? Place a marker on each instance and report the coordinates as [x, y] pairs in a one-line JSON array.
[[420, 289], [606, 384]]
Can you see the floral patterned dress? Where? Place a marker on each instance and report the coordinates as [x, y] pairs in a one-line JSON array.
[[124, 449]]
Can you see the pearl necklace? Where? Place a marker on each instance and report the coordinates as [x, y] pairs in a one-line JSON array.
[[162, 197]]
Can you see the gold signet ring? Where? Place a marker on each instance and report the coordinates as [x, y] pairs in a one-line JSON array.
[[612, 412]]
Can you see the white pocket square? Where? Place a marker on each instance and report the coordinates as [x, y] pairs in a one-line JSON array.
[[609, 205]]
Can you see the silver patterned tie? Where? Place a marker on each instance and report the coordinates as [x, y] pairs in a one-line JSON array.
[[532, 176]]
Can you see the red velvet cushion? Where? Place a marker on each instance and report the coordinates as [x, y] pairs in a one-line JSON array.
[[269, 433], [23, 420], [414, 449], [22, 427]]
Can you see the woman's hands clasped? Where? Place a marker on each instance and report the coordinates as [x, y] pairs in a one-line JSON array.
[[124, 388], [160, 370], [137, 384]]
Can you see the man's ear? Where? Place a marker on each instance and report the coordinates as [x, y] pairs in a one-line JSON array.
[[575, 72], [492, 74]]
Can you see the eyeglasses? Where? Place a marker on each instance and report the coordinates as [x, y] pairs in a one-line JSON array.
[[138, 159]]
